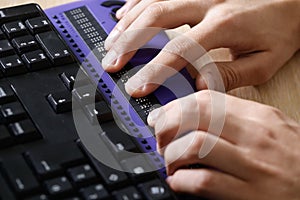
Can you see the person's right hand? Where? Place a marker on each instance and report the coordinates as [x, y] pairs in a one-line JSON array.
[[261, 34]]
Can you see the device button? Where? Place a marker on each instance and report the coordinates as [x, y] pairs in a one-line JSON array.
[[112, 3]]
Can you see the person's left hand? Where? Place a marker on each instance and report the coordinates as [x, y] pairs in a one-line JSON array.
[[257, 155]]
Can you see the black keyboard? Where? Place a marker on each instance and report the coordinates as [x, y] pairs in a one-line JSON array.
[[41, 156]]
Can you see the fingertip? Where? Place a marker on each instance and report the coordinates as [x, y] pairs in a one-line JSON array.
[[169, 180], [201, 83], [121, 12]]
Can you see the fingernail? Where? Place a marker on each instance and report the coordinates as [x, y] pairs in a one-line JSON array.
[[109, 60], [134, 84], [152, 117]]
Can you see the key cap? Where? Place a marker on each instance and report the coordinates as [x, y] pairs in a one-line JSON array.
[[5, 48], [113, 178], [138, 167], [23, 12], [55, 48], [36, 60], [25, 43], [38, 25], [83, 174], [129, 193], [5, 191], [19, 175], [120, 140], [112, 3], [95, 192], [2, 35], [50, 160], [155, 190], [58, 186], [100, 112], [69, 79], [14, 29], [38, 197], [61, 102], [6, 139], [86, 95], [24, 131], [12, 112], [6, 94], [12, 65]]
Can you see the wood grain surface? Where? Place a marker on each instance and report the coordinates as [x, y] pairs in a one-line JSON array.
[[282, 91]]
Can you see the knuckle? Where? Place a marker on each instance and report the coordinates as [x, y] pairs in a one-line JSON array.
[[204, 181], [264, 136], [231, 77], [155, 11], [204, 100]]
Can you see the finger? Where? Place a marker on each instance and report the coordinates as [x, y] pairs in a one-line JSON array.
[[209, 111], [124, 23], [192, 149], [251, 70], [127, 7], [207, 183], [158, 15], [180, 51]]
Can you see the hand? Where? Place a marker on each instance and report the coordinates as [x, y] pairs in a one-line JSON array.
[[126, 8], [256, 155], [261, 34]]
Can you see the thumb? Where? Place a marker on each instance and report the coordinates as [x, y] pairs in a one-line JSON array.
[[253, 70]]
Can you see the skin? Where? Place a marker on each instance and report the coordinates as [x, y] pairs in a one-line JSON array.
[[259, 159], [256, 153]]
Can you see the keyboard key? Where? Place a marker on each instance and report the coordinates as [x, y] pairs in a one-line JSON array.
[[6, 139], [2, 35], [95, 192], [38, 25], [36, 60], [25, 43], [5, 191], [99, 112], [24, 131], [12, 112], [5, 48], [86, 95], [19, 12], [155, 190], [6, 94], [55, 48], [49, 160], [120, 140], [20, 175], [12, 65], [138, 167], [61, 102], [69, 79], [112, 177], [14, 29], [38, 197], [83, 174], [59, 186], [129, 193]]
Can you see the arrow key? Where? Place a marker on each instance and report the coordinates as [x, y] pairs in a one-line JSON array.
[[61, 102]]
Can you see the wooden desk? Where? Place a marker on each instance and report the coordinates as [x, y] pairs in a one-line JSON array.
[[282, 91]]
